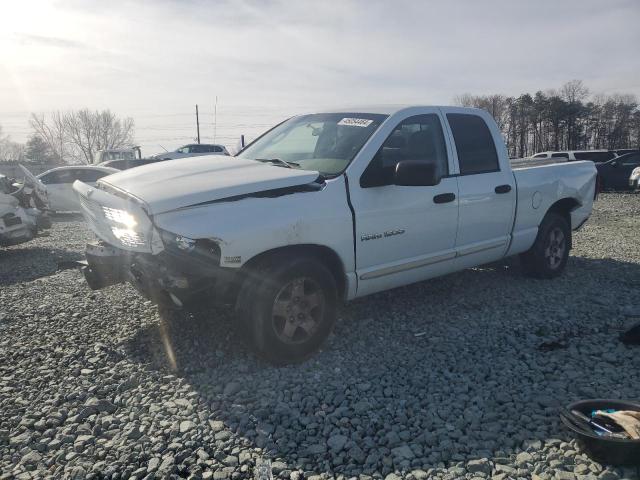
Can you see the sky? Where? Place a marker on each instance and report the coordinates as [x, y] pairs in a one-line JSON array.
[[267, 60]]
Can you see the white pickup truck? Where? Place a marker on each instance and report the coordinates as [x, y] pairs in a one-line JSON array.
[[329, 207]]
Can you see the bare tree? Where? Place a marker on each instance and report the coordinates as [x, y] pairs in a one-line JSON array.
[[574, 91], [79, 135], [10, 151], [52, 131]]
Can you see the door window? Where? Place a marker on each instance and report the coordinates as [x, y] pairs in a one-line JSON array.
[[59, 176], [474, 143], [631, 161], [417, 138]]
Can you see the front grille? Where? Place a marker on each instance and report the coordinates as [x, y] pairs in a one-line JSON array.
[[95, 218]]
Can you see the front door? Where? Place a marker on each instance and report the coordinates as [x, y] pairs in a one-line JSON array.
[[618, 175], [405, 234]]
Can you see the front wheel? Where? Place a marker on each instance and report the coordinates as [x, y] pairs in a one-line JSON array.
[[548, 256], [287, 308]]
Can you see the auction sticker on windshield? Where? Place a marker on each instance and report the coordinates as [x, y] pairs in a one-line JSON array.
[[355, 122]]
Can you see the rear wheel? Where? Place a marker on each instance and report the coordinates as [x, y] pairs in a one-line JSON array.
[[287, 308], [548, 256]]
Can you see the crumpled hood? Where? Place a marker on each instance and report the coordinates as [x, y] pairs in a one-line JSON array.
[[173, 184]]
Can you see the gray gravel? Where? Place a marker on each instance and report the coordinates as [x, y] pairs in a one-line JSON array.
[[97, 385]]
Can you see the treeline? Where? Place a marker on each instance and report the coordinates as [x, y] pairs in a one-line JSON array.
[[69, 137], [565, 119]]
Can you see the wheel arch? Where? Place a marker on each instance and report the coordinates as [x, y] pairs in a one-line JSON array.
[[564, 207], [326, 255]]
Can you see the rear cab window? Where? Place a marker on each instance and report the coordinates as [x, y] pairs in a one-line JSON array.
[[474, 144]]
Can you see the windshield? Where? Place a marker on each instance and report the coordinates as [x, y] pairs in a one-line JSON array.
[[325, 142], [117, 156]]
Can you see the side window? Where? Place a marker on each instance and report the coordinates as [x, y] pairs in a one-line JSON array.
[[216, 149], [417, 138], [91, 175], [594, 156], [474, 143], [560, 155], [540, 155], [633, 160], [70, 176], [58, 177], [49, 178]]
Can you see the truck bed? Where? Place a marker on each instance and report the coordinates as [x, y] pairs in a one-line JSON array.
[[540, 183], [518, 163]]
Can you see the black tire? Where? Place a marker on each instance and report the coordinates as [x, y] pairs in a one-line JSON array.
[[275, 287], [548, 256]]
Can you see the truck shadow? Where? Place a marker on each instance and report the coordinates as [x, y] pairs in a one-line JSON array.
[[417, 376], [27, 262]]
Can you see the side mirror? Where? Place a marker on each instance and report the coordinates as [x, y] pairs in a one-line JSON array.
[[614, 164], [416, 173]]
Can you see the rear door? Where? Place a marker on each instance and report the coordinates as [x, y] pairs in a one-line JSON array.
[[486, 185], [404, 234]]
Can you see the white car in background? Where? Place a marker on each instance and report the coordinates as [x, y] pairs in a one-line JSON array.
[[575, 155], [58, 182], [194, 150], [634, 179]]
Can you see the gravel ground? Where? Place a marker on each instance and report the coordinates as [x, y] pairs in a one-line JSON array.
[[96, 385]]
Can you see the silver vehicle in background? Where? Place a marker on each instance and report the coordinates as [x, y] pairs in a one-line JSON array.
[[193, 150]]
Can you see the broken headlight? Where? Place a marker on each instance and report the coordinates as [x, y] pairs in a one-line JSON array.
[[121, 217], [177, 242], [122, 224], [184, 243]]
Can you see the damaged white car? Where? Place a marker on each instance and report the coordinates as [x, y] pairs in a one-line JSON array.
[[22, 209], [328, 207]]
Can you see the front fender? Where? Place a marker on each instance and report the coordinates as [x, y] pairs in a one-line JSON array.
[[246, 227]]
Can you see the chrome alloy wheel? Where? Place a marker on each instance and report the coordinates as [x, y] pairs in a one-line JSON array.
[[298, 310]]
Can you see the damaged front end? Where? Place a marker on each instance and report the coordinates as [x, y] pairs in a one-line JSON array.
[[166, 268], [172, 277]]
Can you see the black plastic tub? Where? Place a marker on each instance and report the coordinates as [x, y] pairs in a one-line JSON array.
[[610, 451]]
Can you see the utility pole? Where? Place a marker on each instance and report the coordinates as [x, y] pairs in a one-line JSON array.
[[215, 119], [198, 123]]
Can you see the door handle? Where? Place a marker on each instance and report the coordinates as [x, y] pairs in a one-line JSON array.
[[444, 198], [503, 189]]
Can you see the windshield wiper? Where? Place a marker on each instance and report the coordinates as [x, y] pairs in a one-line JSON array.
[[280, 162]]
